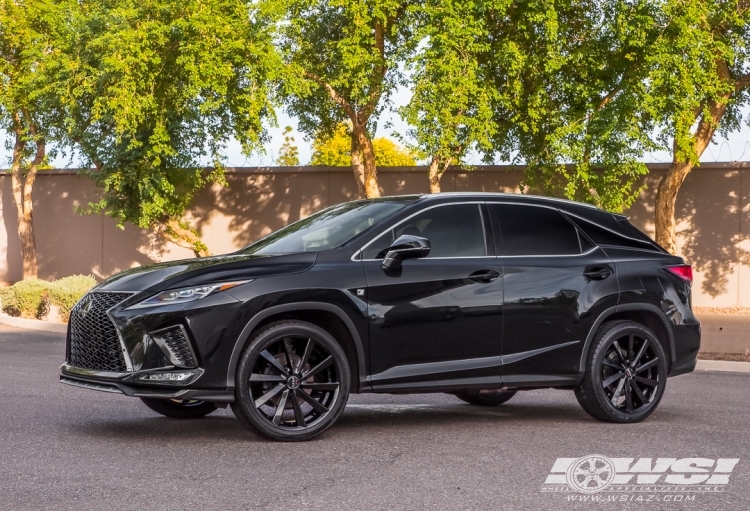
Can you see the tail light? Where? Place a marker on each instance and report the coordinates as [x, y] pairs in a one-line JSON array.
[[684, 271]]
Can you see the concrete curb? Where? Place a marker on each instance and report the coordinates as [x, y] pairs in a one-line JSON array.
[[723, 365], [34, 324]]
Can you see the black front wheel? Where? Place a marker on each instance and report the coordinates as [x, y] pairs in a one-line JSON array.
[[626, 373], [292, 381], [485, 397], [180, 408]]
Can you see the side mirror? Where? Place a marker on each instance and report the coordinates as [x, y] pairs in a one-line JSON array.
[[405, 247]]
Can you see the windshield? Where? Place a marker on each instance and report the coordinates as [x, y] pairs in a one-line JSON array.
[[325, 229]]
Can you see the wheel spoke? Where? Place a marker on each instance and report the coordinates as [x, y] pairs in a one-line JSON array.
[[306, 356], [618, 392], [320, 386], [646, 381], [641, 352], [298, 415], [616, 346], [628, 397], [316, 406], [268, 395], [280, 408], [275, 363], [288, 352], [631, 340], [638, 393], [257, 377], [647, 365], [607, 362], [609, 381], [312, 372]]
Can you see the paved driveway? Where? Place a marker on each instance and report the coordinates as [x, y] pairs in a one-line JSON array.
[[68, 448]]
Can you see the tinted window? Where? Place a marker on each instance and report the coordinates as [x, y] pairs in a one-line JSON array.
[[603, 236], [326, 229], [453, 231], [532, 230]]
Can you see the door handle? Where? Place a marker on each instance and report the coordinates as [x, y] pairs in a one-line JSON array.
[[597, 272], [484, 276]]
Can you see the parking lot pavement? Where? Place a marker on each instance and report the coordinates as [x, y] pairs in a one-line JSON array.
[[68, 448]]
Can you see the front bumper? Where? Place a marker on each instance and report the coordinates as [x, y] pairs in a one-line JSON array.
[[127, 384]]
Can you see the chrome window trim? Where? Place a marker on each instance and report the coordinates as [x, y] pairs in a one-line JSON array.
[[355, 256]]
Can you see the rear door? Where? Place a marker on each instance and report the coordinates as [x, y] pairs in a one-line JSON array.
[[556, 284], [439, 317]]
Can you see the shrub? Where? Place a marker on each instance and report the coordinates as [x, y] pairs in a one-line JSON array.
[[8, 301], [65, 293], [32, 298]]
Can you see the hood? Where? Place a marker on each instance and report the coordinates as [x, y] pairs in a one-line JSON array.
[[225, 268]]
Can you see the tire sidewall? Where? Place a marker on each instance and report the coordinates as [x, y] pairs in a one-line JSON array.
[[243, 402], [595, 369]]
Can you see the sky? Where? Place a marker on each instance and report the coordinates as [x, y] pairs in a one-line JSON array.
[[734, 148]]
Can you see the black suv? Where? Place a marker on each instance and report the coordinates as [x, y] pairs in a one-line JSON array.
[[477, 295]]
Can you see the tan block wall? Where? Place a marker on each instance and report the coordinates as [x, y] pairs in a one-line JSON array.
[[713, 214]]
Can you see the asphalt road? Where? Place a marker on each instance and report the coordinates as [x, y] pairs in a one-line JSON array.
[[69, 448]]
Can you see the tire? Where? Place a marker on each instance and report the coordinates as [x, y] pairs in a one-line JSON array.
[[292, 381], [177, 409], [485, 397], [623, 383]]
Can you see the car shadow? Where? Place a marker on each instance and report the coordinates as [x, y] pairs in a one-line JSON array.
[[358, 417]]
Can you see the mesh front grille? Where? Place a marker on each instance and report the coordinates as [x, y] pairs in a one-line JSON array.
[[175, 342], [93, 339]]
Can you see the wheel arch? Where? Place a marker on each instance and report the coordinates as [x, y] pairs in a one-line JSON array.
[[644, 313], [325, 315]]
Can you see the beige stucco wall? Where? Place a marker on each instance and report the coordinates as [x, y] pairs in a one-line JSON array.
[[713, 214]]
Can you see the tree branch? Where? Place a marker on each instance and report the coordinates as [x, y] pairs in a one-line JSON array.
[[335, 96]]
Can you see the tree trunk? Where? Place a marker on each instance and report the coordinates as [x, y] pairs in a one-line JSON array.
[[669, 186], [364, 144], [22, 196], [436, 170], [172, 231], [358, 168], [666, 198]]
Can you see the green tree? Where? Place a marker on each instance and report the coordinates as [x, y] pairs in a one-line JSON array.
[[157, 89], [346, 54], [450, 108], [569, 77], [698, 83], [289, 154], [29, 106], [335, 151]]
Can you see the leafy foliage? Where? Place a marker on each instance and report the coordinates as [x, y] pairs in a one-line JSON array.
[[157, 87], [335, 151], [32, 298], [289, 154], [66, 292], [345, 55]]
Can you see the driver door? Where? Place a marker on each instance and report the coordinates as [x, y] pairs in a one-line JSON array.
[[438, 317]]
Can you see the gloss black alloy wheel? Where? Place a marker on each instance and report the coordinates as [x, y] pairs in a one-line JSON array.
[[292, 381], [180, 408], [626, 373]]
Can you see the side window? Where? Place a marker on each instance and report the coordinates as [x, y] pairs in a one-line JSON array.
[[453, 231], [602, 236], [532, 230]]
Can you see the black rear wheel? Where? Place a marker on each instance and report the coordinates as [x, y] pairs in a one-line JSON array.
[[485, 397], [180, 409], [626, 373], [292, 381]]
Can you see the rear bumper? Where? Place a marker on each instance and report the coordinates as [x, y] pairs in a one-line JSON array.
[[687, 343]]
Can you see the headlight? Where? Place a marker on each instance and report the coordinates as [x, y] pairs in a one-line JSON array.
[[185, 294]]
